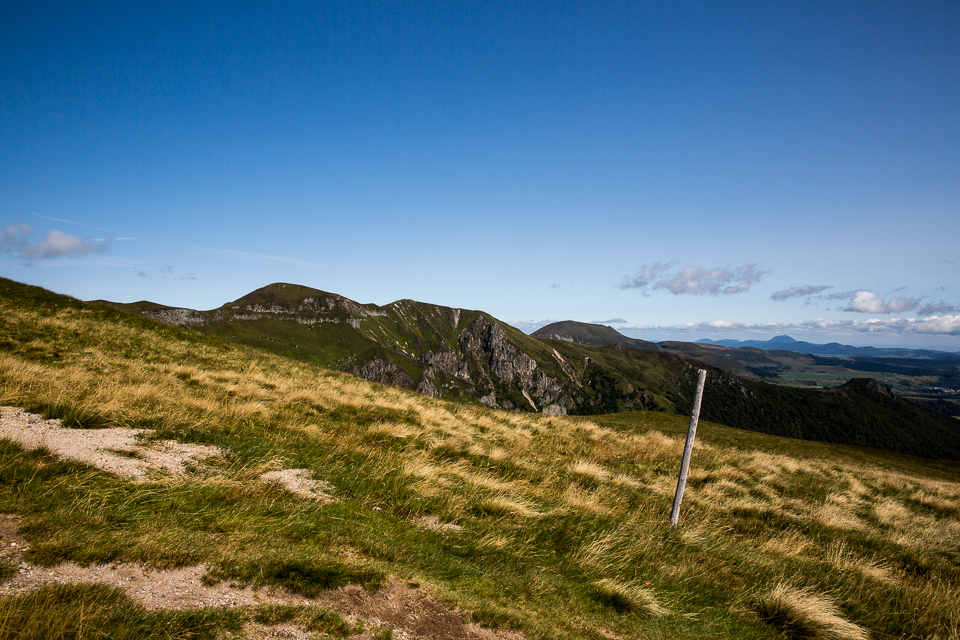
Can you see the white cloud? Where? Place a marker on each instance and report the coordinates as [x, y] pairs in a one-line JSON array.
[[16, 239], [646, 275], [943, 325], [869, 302], [935, 325], [798, 292], [14, 236], [721, 326], [611, 321], [938, 308], [694, 280]]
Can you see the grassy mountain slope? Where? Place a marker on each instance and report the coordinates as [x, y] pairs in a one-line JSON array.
[[561, 522], [456, 354]]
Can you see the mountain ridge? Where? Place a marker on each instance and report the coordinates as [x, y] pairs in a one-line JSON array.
[[591, 334], [470, 356]]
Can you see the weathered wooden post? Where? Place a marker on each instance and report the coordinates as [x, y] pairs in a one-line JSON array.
[[688, 448]]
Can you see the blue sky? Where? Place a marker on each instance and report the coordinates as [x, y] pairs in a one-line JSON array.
[[679, 170]]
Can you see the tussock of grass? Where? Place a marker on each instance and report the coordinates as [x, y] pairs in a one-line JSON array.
[[504, 505], [802, 613], [7, 570], [626, 598], [789, 545], [588, 473]]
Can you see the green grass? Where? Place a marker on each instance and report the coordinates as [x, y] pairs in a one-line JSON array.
[[563, 521], [80, 612]]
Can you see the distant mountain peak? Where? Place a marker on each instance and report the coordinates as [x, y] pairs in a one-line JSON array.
[[786, 343], [588, 333]]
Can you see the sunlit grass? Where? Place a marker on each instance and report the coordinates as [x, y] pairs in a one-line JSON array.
[[559, 525], [803, 613]]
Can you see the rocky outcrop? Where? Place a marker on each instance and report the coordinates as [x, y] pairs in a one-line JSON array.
[[428, 384], [386, 372], [361, 311], [571, 373], [312, 304], [180, 317], [486, 343], [449, 363]]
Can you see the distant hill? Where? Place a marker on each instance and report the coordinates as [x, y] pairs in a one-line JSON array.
[[591, 334], [786, 343], [467, 355], [436, 350], [746, 362]]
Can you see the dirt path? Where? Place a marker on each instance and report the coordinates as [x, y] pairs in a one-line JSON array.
[[123, 452], [409, 611]]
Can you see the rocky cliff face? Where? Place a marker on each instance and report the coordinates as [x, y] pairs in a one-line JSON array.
[[485, 342], [386, 372]]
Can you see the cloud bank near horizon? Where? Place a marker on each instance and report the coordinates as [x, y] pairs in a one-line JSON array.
[[945, 325]]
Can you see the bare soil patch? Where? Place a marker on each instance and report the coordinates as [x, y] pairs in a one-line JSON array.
[[123, 452], [298, 482], [433, 523]]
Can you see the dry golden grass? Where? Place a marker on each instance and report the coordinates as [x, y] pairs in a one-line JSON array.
[[612, 552], [588, 500], [842, 559], [589, 472], [803, 613], [789, 545], [506, 505], [891, 512]]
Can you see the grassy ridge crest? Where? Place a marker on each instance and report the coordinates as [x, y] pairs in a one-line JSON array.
[[468, 356]]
